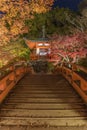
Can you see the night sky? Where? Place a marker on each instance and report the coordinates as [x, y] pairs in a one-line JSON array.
[[72, 4]]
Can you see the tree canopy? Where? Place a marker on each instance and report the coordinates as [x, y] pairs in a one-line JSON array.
[[83, 7], [59, 21], [15, 13], [69, 48]]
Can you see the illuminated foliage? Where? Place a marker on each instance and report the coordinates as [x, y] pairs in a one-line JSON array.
[[69, 48], [40, 6], [14, 51], [15, 13]]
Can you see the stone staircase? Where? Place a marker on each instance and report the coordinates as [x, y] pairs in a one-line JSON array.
[[43, 101]]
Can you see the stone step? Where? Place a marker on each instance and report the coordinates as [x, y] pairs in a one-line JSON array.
[[44, 100], [43, 113], [44, 106], [78, 122]]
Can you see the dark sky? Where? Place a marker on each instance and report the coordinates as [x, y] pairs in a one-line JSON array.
[[72, 4]]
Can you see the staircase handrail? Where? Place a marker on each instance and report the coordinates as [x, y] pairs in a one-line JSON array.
[[73, 74], [14, 73]]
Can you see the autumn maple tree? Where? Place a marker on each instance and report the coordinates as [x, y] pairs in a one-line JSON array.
[[16, 12], [69, 48], [40, 6]]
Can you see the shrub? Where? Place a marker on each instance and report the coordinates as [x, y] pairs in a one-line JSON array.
[[83, 62]]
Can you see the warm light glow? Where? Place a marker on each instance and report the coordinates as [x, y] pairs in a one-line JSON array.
[[40, 44]]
